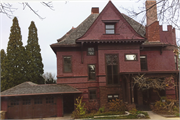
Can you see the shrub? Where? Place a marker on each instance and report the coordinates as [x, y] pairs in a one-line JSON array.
[[75, 114], [101, 110], [133, 111], [116, 105], [91, 106], [80, 110]]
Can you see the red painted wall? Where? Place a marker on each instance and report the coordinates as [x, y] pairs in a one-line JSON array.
[[3, 105], [59, 106], [160, 62], [122, 28], [169, 36]]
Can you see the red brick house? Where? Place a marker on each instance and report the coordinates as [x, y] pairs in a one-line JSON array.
[[102, 55], [98, 60]]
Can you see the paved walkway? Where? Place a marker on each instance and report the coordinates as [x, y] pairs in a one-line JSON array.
[[152, 115], [155, 116]]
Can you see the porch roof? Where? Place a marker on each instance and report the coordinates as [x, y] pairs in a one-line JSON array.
[[29, 88]]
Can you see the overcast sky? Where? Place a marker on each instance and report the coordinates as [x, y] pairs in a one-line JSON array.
[[66, 14]]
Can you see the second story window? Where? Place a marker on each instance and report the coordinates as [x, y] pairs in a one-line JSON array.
[[91, 51], [91, 72], [112, 69], [67, 64], [130, 57], [175, 59], [143, 61], [110, 28]]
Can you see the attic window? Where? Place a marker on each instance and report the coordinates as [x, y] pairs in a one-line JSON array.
[[110, 28]]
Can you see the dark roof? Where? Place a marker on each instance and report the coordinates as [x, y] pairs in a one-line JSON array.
[[139, 28], [70, 37], [29, 88], [79, 31]]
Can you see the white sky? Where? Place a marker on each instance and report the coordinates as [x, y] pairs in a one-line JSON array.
[[66, 14]]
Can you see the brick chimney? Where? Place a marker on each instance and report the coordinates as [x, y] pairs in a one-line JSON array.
[[94, 10], [152, 27]]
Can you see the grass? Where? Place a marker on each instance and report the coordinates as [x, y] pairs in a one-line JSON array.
[[131, 116]]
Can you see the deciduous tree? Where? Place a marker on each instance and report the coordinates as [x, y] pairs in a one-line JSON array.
[[49, 78]]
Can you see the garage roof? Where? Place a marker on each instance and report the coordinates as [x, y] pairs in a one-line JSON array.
[[29, 88]]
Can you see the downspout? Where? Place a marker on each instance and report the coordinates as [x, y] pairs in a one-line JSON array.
[[82, 60]]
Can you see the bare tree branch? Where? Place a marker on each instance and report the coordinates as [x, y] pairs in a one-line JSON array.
[[8, 9], [168, 11], [159, 83]]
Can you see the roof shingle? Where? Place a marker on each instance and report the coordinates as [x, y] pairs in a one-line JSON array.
[[29, 88]]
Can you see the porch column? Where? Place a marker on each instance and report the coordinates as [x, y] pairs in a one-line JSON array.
[[132, 90], [128, 90]]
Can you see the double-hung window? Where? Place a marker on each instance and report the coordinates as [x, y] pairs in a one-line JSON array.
[[67, 64], [92, 94], [175, 59], [143, 61], [110, 28], [91, 72]]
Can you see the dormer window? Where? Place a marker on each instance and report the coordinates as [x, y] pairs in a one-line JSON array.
[[110, 28]]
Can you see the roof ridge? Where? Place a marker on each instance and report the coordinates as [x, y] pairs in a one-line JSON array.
[[19, 85]]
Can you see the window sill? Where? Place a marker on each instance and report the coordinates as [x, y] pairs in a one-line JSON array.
[[112, 85], [111, 34]]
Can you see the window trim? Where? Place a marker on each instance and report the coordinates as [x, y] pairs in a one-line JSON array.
[[63, 63], [112, 96], [106, 69], [110, 23], [88, 53], [49, 101], [146, 63], [14, 102], [37, 102], [26, 101], [176, 62], [88, 72], [89, 89], [130, 54]]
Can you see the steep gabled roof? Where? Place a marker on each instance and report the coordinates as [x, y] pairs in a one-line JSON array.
[[139, 28], [74, 34], [29, 88], [79, 31]]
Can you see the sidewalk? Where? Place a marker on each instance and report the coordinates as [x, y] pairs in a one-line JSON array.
[[152, 115]]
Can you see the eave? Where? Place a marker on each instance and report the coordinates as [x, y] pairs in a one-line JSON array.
[[56, 46], [75, 92], [112, 41]]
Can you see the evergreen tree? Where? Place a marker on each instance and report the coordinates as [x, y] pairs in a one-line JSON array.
[[33, 50], [15, 61], [3, 56]]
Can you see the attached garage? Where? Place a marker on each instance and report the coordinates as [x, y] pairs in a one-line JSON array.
[[29, 100]]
